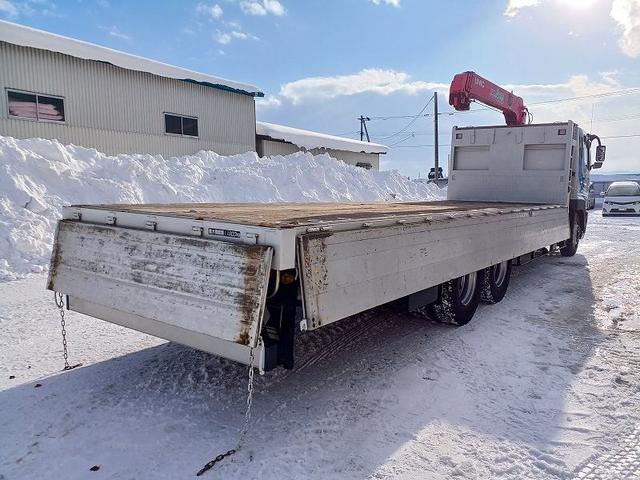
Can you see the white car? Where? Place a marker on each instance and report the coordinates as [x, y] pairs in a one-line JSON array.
[[621, 198]]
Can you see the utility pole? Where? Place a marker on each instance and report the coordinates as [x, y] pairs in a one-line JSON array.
[[363, 128], [435, 136]]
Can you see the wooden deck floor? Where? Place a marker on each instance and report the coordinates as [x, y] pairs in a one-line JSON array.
[[288, 215]]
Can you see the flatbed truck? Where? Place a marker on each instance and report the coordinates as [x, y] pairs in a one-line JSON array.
[[242, 280]]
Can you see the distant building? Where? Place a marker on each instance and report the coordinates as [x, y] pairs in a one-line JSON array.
[[272, 139], [76, 92]]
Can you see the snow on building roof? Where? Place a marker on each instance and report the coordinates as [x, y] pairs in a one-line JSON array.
[[30, 37], [310, 140]]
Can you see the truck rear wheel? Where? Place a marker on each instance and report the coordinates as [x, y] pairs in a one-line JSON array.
[[571, 246], [496, 282], [458, 299]]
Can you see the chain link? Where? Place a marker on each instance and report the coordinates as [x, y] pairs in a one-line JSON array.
[[59, 299], [247, 412], [246, 423]]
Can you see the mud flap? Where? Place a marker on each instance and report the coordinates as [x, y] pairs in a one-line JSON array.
[[203, 293]]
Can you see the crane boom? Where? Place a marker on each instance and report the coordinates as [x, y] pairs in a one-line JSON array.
[[469, 86]]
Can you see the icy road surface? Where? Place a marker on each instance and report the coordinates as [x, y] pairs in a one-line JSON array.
[[545, 384]]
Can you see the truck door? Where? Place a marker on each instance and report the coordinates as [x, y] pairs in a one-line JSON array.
[[583, 170]]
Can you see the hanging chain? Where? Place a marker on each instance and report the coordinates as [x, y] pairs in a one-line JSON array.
[[247, 412], [245, 425], [59, 299]]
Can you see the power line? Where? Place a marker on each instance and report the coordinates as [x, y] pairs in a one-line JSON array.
[[401, 141], [622, 136], [626, 91], [443, 114], [617, 119], [352, 132], [403, 129], [424, 145]]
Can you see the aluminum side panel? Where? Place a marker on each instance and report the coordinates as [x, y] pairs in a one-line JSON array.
[[344, 273], [208, 287]]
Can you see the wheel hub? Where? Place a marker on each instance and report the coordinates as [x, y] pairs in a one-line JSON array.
[[500, 273], [467, 288]]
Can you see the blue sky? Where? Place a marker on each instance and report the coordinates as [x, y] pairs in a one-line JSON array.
[[322, 63]]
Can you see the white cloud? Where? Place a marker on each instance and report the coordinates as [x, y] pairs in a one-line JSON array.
[[264, 7], [389, 82], [45, 8], [393, 3], [116, 33], [270, 101], [212, 11], [223, 38], [514, 6], [188, 31], [627, 14], [381, 81], [8, 8]]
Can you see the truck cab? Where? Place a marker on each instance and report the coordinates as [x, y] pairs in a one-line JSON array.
[[581, 189]]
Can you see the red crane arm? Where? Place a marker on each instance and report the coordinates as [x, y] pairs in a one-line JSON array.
[[469, 86]]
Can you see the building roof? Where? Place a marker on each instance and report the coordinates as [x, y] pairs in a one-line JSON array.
[[614, 177], [310, 140], [30, 37]]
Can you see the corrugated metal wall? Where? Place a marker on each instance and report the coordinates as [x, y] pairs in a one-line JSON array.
[[122, 111], [267, 148]]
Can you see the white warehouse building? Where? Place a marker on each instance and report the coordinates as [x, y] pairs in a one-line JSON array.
[[84, 94], [275, 139]]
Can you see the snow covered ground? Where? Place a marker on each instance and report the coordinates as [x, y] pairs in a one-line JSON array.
[[545, 384], [38, 177]]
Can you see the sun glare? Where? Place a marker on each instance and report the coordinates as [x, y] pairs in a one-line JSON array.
[[578, 4]]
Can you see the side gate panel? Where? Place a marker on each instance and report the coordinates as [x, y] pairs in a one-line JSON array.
[[347, 272]]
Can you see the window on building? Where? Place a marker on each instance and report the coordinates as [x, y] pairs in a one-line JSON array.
[[35, 106], [180, 125]]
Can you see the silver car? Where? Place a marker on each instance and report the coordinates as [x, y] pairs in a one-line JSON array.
[[621, 198]]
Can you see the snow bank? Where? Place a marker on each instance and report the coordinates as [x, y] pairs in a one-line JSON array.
[[38, 177]]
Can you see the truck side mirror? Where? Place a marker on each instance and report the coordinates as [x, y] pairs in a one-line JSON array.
[[601, 151]]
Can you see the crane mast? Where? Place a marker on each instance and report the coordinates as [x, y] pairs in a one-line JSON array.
[[469, 86]]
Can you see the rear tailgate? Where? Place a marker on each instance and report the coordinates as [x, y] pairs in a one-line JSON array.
[[204, 293]]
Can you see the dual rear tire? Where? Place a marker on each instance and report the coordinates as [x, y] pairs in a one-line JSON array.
[[458, 299], [496, 282]]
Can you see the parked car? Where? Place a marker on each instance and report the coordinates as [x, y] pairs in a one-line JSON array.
[[621, 198]]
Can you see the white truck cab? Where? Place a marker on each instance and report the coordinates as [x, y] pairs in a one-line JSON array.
[[621, 198]]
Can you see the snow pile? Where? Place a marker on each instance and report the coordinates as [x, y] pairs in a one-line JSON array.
[[38, 177]]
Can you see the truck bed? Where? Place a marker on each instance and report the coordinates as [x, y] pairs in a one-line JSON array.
[[200, 274], [294, 215]]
